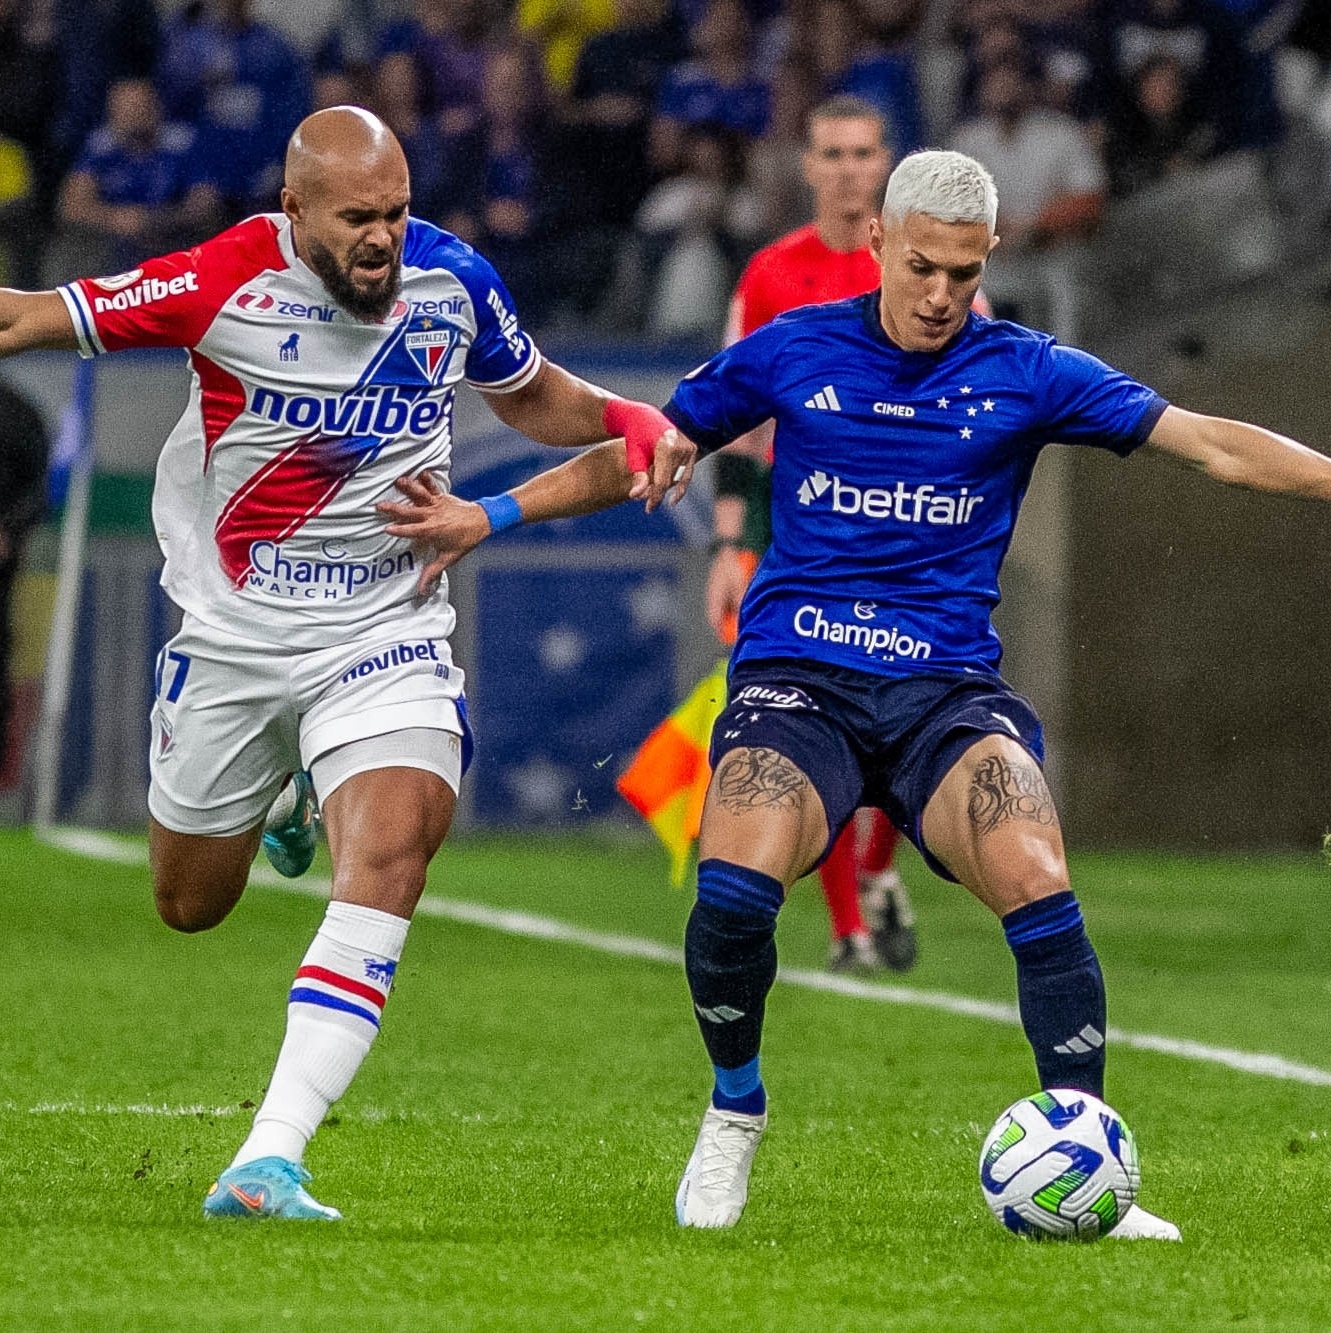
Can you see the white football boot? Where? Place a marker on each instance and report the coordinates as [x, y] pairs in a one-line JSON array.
[[715, 1184], [1138, 1224]]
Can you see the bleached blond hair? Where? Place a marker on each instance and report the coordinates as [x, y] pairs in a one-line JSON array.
[[944, 185]]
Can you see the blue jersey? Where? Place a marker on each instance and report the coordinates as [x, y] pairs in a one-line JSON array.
[[897, 476]]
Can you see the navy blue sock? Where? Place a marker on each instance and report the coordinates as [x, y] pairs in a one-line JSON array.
[[1060, 992], [730, 962]]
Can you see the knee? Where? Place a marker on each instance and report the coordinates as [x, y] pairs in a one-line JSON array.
[[1030, 883], [185, 908], [197, 880]]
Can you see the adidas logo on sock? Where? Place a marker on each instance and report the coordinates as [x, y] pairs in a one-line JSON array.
[[723, 1013], [825, 400], [1086, 1040]]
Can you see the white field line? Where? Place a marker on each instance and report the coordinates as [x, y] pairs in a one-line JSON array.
[[371, 1114], [101, 846]]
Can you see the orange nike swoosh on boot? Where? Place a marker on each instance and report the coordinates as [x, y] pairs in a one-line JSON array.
[[251, 1201]]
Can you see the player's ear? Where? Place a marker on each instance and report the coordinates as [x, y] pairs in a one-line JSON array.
[[291, 203], [876, 240]]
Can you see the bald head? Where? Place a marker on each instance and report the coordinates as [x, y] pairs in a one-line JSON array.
[[341, 142], [346, 193]]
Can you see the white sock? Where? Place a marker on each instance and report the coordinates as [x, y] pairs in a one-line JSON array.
[[332, 1018]]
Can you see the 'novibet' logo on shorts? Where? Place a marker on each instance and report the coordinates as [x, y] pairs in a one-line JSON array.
[[920, 504], [874, 640], [280, 575], [400, 654]]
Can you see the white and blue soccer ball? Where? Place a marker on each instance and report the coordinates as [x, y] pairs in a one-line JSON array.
[[1060, 1165]]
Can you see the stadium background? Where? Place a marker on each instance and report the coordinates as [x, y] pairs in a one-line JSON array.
[[1166, 629]]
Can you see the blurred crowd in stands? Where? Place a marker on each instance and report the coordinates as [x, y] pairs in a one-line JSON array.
[[619, 159]]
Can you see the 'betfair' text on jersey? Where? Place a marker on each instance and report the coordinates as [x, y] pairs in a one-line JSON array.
[[923, 504]]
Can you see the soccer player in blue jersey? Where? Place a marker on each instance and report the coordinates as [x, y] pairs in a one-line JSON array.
[[866, 668]]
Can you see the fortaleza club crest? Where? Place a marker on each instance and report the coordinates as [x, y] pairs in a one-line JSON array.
[[430, 344]]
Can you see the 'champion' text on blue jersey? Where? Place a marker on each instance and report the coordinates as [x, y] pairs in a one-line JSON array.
[[897, 476]]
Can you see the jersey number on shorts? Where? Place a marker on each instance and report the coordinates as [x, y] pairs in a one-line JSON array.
[[181, 661]]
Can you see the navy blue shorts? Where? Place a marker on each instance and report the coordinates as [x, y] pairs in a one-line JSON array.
[[861, 739]]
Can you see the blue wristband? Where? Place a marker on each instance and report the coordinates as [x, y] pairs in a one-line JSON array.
[[503, 511]]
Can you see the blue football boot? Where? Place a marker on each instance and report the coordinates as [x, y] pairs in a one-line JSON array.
[[291, 832], [266, 1187]]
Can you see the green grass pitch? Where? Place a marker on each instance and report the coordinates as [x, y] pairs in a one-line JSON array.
[[508, 1157]]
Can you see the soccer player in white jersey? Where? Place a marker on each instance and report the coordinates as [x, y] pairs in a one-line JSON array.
[[326, 343], [866, 669]]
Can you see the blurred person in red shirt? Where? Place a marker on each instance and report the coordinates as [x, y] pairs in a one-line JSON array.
[[846, 165]]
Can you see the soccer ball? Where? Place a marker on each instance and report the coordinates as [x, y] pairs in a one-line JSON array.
[[1060, 1165]]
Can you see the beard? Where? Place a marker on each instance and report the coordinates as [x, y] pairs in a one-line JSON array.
[[368, 304]]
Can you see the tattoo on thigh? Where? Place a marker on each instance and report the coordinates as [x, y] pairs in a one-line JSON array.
[[1001, 791], [754, 779]]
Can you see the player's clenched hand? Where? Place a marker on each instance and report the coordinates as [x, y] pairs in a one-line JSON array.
[[659, 457], [432, 518]]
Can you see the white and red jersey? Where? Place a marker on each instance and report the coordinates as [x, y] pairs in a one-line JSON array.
[[300, 419]]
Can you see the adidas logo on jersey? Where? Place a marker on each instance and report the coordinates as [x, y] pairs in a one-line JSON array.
[[825, 400]]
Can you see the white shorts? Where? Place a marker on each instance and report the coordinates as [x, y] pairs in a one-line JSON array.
[[232, 717]]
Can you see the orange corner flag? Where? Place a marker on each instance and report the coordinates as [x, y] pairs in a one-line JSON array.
[[667, 780]]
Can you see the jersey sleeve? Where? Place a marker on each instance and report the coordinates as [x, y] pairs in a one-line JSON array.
[[729, 395], [1084, 401], [172, 300], [503, 357]]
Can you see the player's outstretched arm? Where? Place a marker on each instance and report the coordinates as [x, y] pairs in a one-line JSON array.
[[560, 409], [594, 480], [29, 320], [1240, 454]]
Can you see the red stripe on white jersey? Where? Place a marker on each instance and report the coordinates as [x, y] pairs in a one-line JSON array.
[[279, 499], [223, 399]]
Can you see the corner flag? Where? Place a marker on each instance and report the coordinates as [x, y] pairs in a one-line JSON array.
[[667, 780]]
